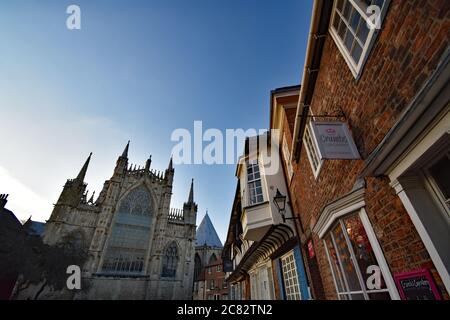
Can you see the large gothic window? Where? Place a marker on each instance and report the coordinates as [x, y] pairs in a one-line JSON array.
[[170, 261], [130, 234], [197, 267]]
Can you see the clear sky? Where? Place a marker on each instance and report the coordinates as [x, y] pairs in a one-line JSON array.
[[136, 70]]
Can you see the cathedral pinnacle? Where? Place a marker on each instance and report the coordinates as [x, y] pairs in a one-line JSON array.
[[83, 170]]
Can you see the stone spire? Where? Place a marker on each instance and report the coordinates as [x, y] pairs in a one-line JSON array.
[[91, 200], [83, 171], [171, 163], [125, 152], [122, 161], [191, 193]]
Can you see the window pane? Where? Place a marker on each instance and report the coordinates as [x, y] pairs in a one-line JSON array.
[[358, 296], [335, 265], [363, 31], [341, 30], [344, 256], [349, 40], [356, 52], [364, 254], [347, 10], [339, 5], [354, 21], [441, 174], [336, 22]]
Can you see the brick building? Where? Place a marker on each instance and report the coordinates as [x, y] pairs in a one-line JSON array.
[[373, 225], [212, 283]]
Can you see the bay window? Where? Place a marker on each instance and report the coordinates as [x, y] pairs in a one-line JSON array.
[[254, 183]]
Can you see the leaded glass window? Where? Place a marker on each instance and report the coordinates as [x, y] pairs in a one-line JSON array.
[[170, 261], [130, 235]]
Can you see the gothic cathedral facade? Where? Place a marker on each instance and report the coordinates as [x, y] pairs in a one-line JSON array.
[[139, 247]]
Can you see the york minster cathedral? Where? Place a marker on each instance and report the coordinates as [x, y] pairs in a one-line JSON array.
[[139, 247]]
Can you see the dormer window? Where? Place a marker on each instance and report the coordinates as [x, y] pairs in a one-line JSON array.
[[254, 183], [354, 27]]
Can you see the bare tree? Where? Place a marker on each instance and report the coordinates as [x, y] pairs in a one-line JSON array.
[[36, 263]]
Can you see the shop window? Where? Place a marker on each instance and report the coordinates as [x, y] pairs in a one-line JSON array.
[[254, 183], [290, 277], [353, 29], [313, 152], [353, 263], [438, 175]]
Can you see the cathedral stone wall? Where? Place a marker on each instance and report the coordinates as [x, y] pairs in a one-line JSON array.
[[139, 248]]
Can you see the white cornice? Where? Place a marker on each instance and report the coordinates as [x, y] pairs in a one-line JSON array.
[[338, 208]]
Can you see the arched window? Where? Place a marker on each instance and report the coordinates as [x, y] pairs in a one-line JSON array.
[[197, 267], [130, 234], [212, 259], [170, 261]]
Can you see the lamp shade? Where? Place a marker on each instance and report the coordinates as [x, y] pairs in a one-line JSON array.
[[280, 201]]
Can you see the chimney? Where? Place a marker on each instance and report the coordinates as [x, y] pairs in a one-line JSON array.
[[3, 200]]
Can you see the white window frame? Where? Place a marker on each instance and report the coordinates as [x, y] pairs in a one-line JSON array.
[[315, 169], [291, 290], [356, 68], [252, 163], [347, 292], [350, 204]]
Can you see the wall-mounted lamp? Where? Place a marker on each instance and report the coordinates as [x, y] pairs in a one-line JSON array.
[[280, 203]]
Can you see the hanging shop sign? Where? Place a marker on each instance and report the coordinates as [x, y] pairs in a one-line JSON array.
[[334, 140], [417, 285]]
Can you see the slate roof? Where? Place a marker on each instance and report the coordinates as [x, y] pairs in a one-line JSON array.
[[207, 235]]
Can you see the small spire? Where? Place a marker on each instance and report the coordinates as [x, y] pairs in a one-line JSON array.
[[125, 152], [191, 193], [83, 171], [171, 163], [91, 200], [148, 163]]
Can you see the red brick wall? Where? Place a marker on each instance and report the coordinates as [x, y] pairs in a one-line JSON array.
[[219, 280], [413, 38]]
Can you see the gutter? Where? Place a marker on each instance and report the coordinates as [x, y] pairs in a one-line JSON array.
[[316, 41]]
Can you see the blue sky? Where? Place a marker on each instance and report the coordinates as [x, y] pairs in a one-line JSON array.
[[136, 70]]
